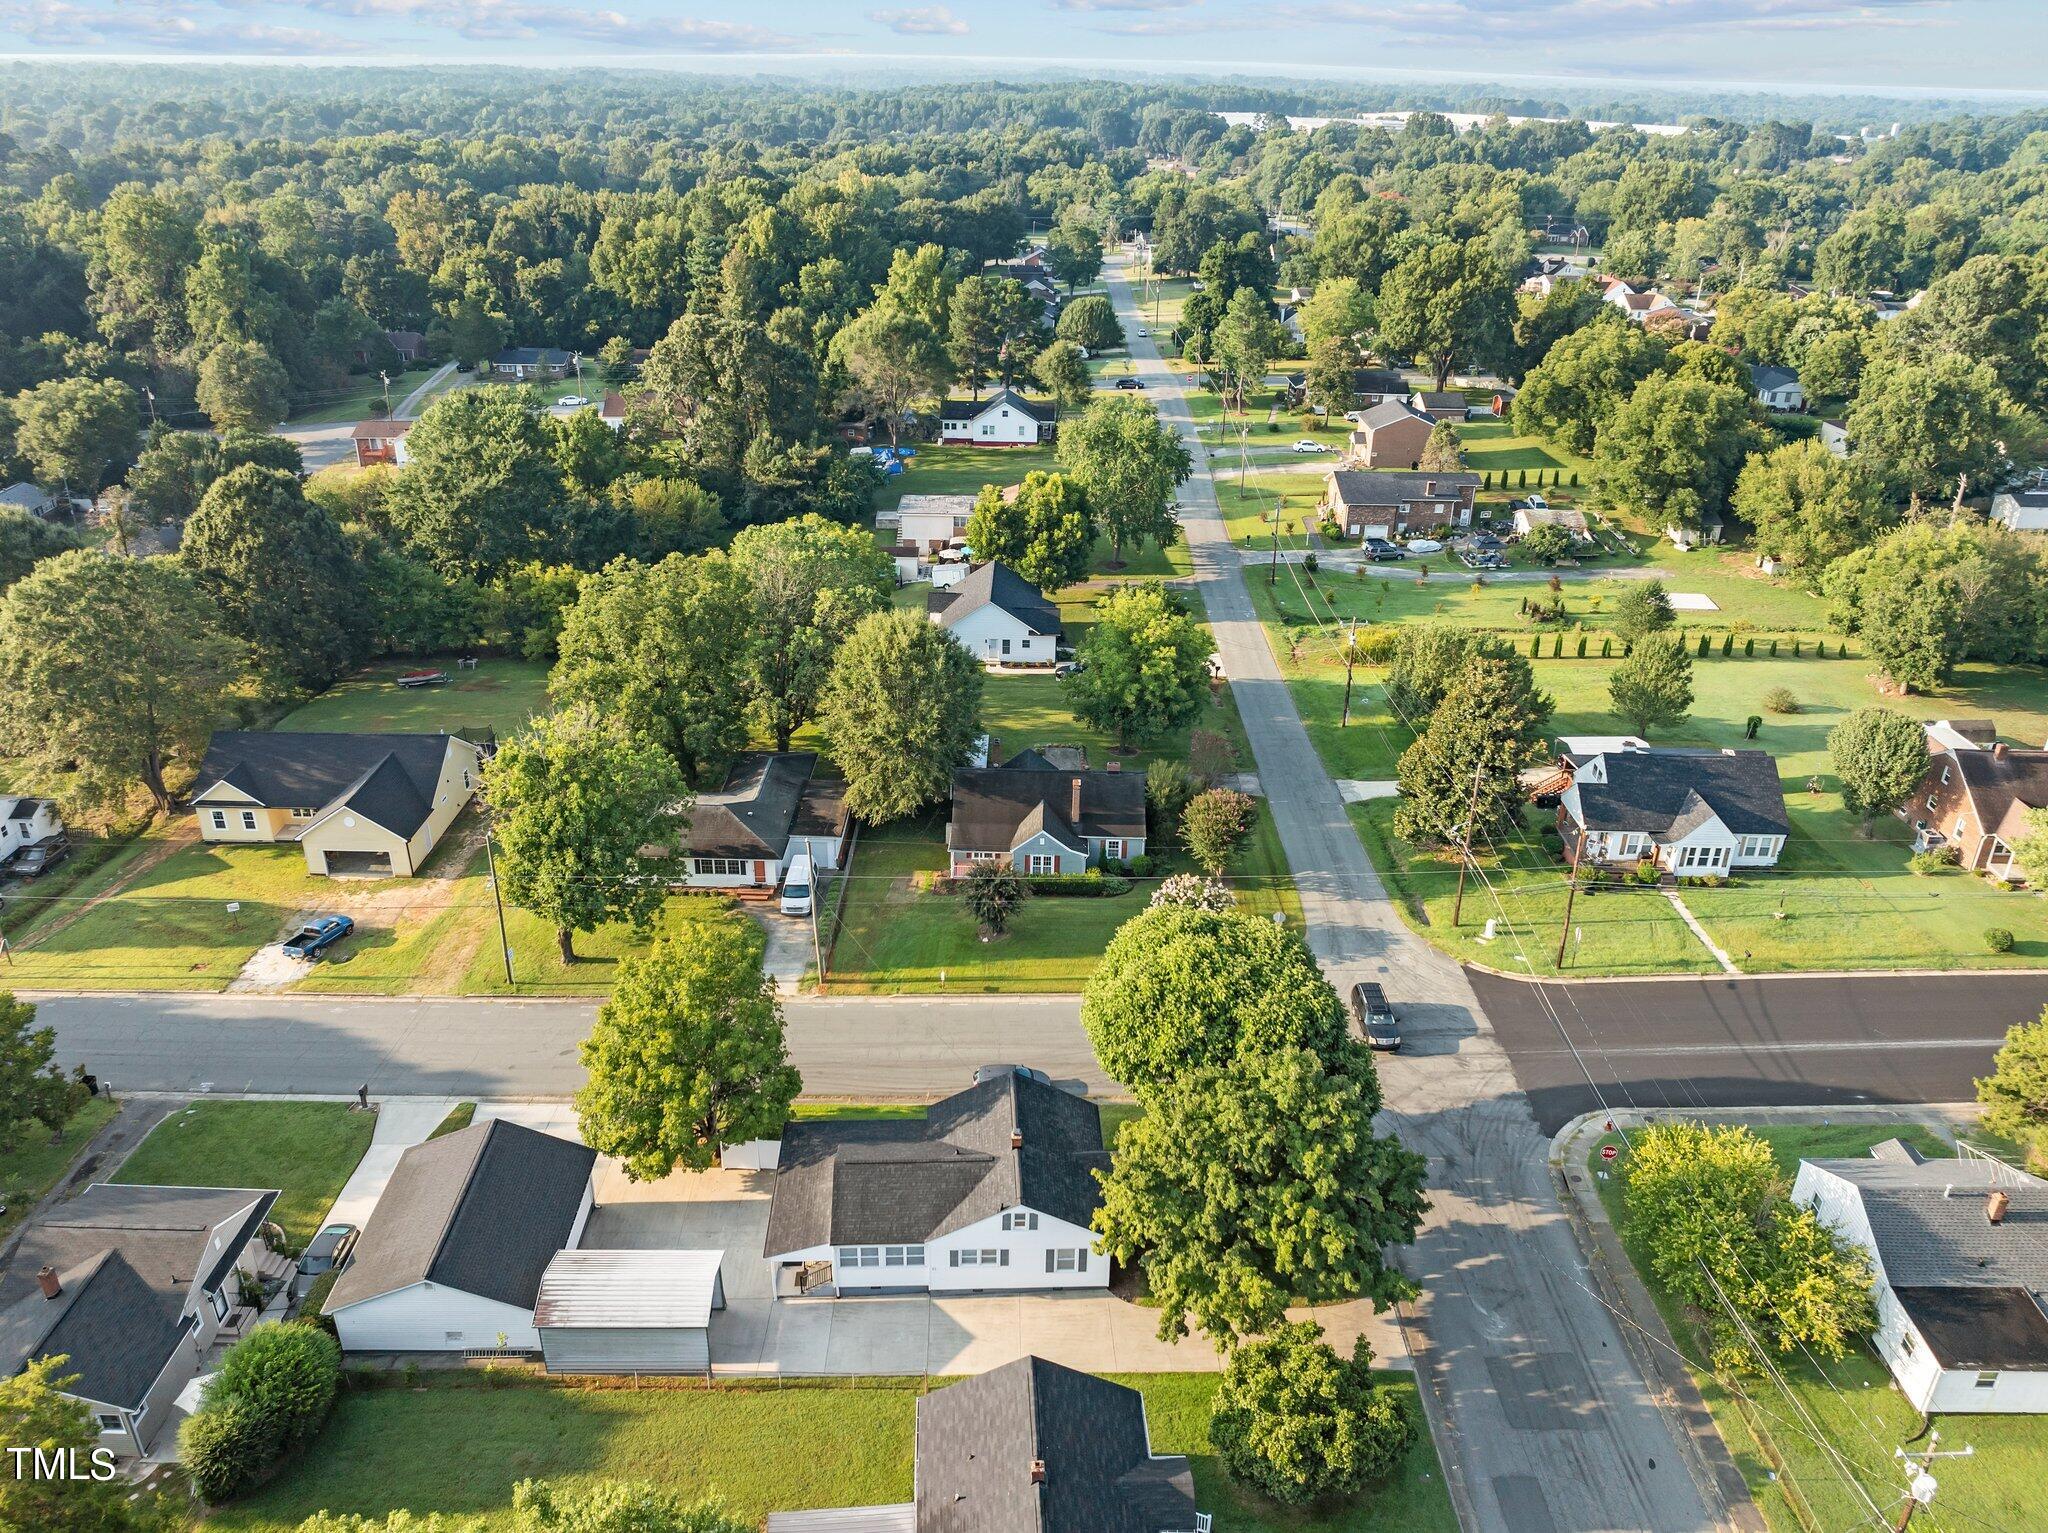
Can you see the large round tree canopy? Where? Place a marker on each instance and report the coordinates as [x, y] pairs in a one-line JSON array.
[[1180, 988]]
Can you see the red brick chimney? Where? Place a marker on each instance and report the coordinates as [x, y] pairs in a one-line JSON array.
[[1038, 1471], [47, 1280], [1998, 751], [1016, 1141], [1074, 816], [1995, 1206]]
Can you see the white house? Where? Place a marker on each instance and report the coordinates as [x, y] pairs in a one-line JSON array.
[[770, 809], [991, 1191], [2021, 510], [1834, 436], [998, 617], [24, 822], [1692, 812], [1959, 1250], [453, 1257], [133, 1285], [1777, 388], [355, 803], [1041, 818], [1004, 419], [933, 522]]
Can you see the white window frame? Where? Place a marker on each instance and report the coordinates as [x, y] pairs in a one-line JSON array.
[[1033, 859], [1944, 775], [980, 1256], [853, 1258], [110, 1421], [220, 818], [1067, 1259], [1113, 848], [1020, 1219], [1933, 803], [721, 867], [304, 814], [248, 819]]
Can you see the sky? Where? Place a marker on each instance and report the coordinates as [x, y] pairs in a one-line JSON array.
[[1882, 45]]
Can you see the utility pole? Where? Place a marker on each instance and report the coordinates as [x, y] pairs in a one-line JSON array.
[[1273, 570], [1350, 658], [1465, 839], [1921, 1487], [149, 394], [504, 942], [817, 894], [385, 379], [1571, 896]]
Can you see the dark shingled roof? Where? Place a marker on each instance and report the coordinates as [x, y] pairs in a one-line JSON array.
[[992, 806], [995, 585], [1997, 782], [482, 1210], [529, 356], [1768, 378], [129, 1258], [967, 409], [976, 1441], [1928, 1221], [387, 779], [380, 430], [2001, 1328], [863, 1182], [1371, 487], [1391, 412], [1667, 793], [754, 814]]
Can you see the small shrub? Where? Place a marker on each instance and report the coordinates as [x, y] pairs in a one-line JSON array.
[[1582, 646], [1140, 865], [1780, 700], [993, 891], [289, 1372], [227, 1448], [1194, 890], [1727, 644], [1297, 1422], [1310, 563], [1936, 859], [1748, 648], [1998, 939]]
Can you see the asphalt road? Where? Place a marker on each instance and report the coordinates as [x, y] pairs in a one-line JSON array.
[[1781, 1042], [1543, 1422], [863, 1049]]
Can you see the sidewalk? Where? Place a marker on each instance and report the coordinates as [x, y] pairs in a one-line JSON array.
[[402, 1122], [1643, 1329]]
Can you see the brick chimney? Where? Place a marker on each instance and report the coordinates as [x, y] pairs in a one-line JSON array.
[[1114, 765], [1998, 751], [1038, 1471], [1996, 1205], [47, 1280], [1074, 815], [1016, 1140]]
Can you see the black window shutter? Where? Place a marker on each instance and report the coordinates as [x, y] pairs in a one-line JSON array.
[[1048, 1260], [952, 1258], [1005, 1259], [1083, 1255]]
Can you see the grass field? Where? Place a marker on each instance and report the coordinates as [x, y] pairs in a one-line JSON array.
[[1248, 512], [500, 693], [456, 1446], [306, 1150], [39, 1161], [1839, 899], [1860, 1413], [896, 940], [955, 470], [364, 397]]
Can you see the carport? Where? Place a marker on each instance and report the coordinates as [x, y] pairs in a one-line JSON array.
[[637, 1311], [341, 864]]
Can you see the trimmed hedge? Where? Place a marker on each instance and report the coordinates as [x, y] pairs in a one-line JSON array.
[[1093, 884]]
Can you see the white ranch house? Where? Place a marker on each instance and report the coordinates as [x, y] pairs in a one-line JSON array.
[[1695, 813], [1004, 419]]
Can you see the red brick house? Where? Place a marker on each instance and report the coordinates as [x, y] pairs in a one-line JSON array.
[[379, 441], [1370, 504], [1976, 795]]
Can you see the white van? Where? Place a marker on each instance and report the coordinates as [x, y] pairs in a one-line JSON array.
[[797, 885]]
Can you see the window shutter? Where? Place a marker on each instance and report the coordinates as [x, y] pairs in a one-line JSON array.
[[952, 1258], [1048, 1259], [1032, 1221], [1005, 1260], [1082, 1258]]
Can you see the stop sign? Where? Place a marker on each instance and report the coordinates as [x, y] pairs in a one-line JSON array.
[[1609, 1152]]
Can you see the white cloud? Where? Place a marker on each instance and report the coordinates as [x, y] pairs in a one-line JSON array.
[[1481, 21], [162, 26], [921, 21]]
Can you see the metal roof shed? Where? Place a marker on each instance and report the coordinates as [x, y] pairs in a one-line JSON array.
[[628, 1311]]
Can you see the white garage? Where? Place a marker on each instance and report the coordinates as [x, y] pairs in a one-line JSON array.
[[628, 1311]]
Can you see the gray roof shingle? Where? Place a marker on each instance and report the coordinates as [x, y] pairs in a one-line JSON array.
[[482, 1210], [1928, 1219], [994, 808], [1666, 793], [895, 1180], [754, 814], [1373, 487], [977, 1440], [387, 779], [995, 585]]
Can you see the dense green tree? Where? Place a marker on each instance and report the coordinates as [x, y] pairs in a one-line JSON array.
[[1584, 379], [1489, 725], [901, 712], [589, 815], [1445, 303], [1063, 373], [26, 540], [1256, 1185], [808, 583], [1641, 610], [36, 1412], [1651, 689], [2014, 1095], [1926, 596], [1042, 529], [1327, 381], [1806, 507], [1215, 826], [895, 359], [529, 603], [1442, 453], [654, 645], [992, 891], [241, 384], [688, 1053], [34, 1093], [616, 1506], [1547, 545], [1132, 464], [1090, 322], [1866, 254], [481, 489], [1879, 756], [1179, 988], [1424, 659], [468, 334], [173, 471], [1145, 665], [290, 1373], [992, 328], [281, 575], [1541, 320], [1924, 425], [1674, 447], [113, 668], [1297, 1423], [669, 516], [1247, 340], [1340, 311], [589, 455], [1074, 251], [75, 432], [1992, 309]]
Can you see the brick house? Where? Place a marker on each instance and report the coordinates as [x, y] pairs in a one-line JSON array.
[[380, 441], [1391, 435], [1372, 504], [1975, 795]]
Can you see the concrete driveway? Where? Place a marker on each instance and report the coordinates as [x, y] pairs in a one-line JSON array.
[[903, 1333]]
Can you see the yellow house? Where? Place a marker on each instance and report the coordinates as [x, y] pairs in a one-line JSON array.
[[375, 804]]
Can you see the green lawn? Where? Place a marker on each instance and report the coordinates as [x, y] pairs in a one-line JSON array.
[[502, 694], [1248, 512], [306, 1150], [1860, 1413], [895, 940], [364, 397], [456, 1446], [957, 470], [39, 1161]]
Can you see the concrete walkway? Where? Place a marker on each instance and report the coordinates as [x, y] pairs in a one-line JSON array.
[[402, 1122], [1542, 1419], [1693, 924]]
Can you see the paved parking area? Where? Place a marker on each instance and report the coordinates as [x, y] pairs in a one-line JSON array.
[[904, 1333]]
